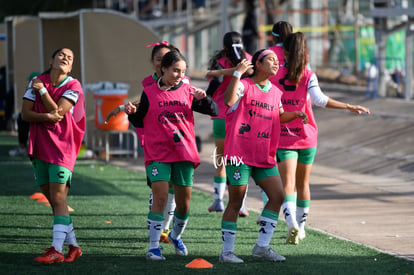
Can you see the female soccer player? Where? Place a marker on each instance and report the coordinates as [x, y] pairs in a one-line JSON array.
[[298, 142], [55, 107], [166, 114], [221, 68], [252, 135], [159, 49], [280, 30]]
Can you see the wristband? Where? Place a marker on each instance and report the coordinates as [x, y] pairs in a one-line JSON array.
[[121, 108], [237, 74], [42, 91]]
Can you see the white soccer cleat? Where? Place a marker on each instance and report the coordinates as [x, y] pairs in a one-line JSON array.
[[302, 234], [243, 212], [230, 257], [18, 152], [217, 206], [266, 252]]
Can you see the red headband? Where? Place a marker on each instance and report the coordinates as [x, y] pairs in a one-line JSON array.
[[158, 43]]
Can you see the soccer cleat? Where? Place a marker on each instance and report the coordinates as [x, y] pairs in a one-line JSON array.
[[266, 252], [180, 248], [292, 236], [243, 212], [18, 152], [155, 254], [217, 206], [73, 253], [302, 234], [51, 256], [164, 236], [230, 257]]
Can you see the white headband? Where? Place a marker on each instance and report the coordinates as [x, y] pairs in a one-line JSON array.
[[236, 52]]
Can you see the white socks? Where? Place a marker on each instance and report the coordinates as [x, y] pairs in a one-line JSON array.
[[59, 236], [179, 226], [70, 236], [168, 212]]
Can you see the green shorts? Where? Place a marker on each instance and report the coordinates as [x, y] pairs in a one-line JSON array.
[[239, 175], [305, 156], [46, 172], [178, 173], [219, 128]]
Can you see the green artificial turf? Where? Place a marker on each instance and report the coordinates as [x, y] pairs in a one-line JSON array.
[[110, 211]]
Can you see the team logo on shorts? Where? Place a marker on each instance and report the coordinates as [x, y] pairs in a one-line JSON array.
[[236, 174], [154, 171]]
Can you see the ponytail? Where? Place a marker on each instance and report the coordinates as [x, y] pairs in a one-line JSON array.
[[296, 56]]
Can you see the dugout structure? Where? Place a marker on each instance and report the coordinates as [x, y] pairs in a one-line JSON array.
[[108, 46]]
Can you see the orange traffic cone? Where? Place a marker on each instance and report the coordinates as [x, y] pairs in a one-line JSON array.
[[199, 263]]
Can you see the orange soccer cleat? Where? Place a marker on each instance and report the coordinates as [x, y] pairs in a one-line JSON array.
[[51, 256], [164, 236], [73, 253]]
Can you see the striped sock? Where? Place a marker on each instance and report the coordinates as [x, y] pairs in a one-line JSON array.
[[70, 236], [219, 187], [302, 212], [169, 209], [268, 223], [289, 210], [60, 230], [180, 222], [228, 232], [154, 222]]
